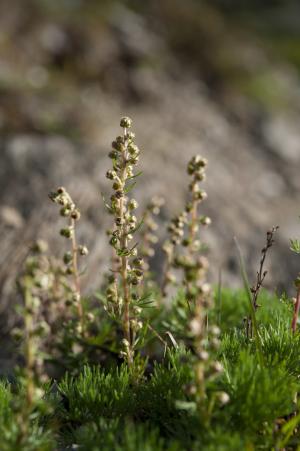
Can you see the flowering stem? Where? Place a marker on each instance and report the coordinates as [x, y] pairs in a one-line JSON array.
[[28, 349], [76, 275], [124, 258], [193, 224]]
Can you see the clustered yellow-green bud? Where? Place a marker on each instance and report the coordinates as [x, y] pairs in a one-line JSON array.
[[184, 244], [70, 211], [128, 269]]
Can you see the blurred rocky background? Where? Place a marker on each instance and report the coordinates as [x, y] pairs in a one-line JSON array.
[[220, 78]]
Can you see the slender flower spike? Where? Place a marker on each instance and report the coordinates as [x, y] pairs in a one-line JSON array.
[[184, 236], [129, 271], [72, 214]]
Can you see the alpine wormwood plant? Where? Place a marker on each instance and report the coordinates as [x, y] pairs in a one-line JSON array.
[[32, 374], [260, 278], [184, 230], [206, 367], [70, 211], [128, 273]]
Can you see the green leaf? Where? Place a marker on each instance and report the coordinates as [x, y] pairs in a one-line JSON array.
[[135, 176], [126, 252], [129, 188], [295, 246], [186, 405], [139, 225], [108, 207], [146, 301]]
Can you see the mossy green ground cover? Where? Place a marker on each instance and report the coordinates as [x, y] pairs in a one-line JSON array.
[[104, 408]]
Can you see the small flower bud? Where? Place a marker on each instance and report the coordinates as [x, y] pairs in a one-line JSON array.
[[118, 146], [134, 160], [119, 221], [90, 317], [125, 343], [195, 326], [133, 150], [138, 262], [75, 214], [119, 194], [130, 136], [17, 333], [205, 220], [113, 241], [223, 398], [217, 367], [65, 211], [83, 250], [117, 186], [67, 232], [76, 298], [111, 175], [42, 328], [200, 195], [68, 257], [215, 343], [215, 330], [40, 247], [113, 154], [134, 280], [125, 122], [69, 271], [133, 204], [138, 272], [204, 356]]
